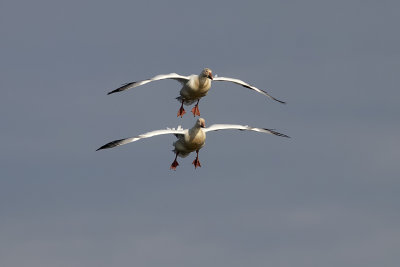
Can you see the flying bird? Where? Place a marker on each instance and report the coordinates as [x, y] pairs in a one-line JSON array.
[[194, 87], [189, 140]]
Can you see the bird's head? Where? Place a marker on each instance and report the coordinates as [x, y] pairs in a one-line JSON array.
[[207, 73], [201, 123]]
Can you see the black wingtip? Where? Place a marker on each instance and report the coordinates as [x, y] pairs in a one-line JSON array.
[[122, 88], [112, 144], [277, 133], [280, 101], [108, 145], [114, 91], [271, 97], [100, 148]]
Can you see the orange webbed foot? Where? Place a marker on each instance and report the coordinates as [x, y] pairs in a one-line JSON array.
[[196, 163], [174, 165], [195, 110], [181, 112]]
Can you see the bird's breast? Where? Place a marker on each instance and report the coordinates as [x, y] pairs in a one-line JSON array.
[[195, 140], [196, 88]]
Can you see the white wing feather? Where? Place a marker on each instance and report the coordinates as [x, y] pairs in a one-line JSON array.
[[217, 127], [244, 84], [173, 76], [124, 141]]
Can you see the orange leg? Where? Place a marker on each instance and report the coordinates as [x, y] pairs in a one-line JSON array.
[[175, 163], [181, 110], [195, 109], [196, 161]]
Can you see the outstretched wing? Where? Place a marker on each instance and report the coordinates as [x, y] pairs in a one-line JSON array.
[[244, 84], [173, 76], [124, 141], [217, 127]]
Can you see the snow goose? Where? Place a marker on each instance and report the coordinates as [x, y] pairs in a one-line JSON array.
[[189, 140], [194, 87]]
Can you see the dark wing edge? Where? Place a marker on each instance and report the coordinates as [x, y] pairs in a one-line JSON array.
[[273, 98], [124, 141], [115, 143], [264, 92], [276, 133], [173, 76], [217, 127], [248, 86], [122, 88]]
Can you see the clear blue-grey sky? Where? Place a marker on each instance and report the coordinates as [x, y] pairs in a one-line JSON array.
[[329, 196]]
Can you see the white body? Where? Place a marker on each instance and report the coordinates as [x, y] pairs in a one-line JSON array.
[[193, 139], [194, 89]]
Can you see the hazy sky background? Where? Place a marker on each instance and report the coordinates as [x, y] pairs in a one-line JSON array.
[[329, 196]]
